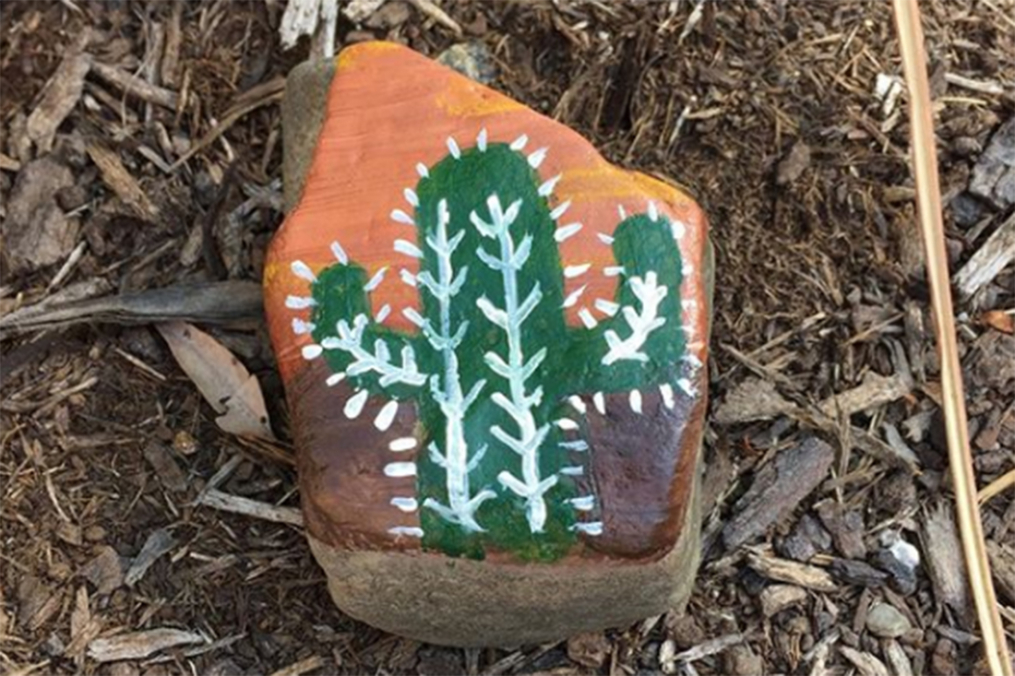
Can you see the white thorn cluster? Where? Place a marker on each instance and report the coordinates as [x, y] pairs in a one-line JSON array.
[[642, 323]]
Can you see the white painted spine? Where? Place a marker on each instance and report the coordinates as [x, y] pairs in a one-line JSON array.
[[350, 340], [447, 388], [516, 370], [642, 323]]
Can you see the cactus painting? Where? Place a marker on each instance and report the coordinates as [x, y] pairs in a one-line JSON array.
[[500, 382], [492, 343]]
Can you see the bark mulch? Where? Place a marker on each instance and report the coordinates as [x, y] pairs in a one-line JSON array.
[[140, 150]]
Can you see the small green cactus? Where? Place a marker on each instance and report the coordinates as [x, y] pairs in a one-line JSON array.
[[495, 373]]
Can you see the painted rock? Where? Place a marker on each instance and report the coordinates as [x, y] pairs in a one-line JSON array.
[[492, 344]]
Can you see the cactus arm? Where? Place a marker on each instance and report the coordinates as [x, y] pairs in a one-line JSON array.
[[350, 340], [520, 403], [642, 343], [447, 388], [642, 322], [356, 346]]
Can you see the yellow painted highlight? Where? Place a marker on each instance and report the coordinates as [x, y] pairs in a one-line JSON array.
[[350, 57], [466, 101], [271, 271]]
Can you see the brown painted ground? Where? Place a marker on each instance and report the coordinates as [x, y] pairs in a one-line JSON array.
[[765, 113]]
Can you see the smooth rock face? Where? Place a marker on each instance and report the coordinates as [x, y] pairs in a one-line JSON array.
[[492, 342]]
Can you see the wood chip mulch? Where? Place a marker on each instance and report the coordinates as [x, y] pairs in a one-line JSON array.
[[140, 149]]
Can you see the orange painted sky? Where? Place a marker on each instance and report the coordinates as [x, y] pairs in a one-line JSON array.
[[390, 108]]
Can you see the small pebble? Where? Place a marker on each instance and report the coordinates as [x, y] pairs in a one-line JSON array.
[[966, 210], [72, 197], [777, 597], [54, 646], [942, 661], [471, 59], [59, 571], [886, 621], [753, 583], [900, 560], [648, 657], [184, 443], [849, 636], [390, 15]]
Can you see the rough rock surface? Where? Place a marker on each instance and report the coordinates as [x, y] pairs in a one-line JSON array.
[[492, 342]]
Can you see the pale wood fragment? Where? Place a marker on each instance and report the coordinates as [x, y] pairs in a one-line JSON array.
[[140, 644], [247, 507], [875, 390], [135, 85], [897, 658], [944, 558], [784, 570], [996, 253], [121, 181], [865, 663], [777, 597]]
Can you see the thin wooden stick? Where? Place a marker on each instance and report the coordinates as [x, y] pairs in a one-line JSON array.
[[928, 192], [996, 487]]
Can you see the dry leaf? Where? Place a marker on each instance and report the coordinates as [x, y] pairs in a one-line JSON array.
[[224, 382], [1001, 320]]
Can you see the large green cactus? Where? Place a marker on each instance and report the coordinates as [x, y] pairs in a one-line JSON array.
[[493, 369]]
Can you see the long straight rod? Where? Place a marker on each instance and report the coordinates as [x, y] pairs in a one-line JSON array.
[[928, 191]]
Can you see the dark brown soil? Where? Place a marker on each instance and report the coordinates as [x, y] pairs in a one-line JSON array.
[[765, 111]]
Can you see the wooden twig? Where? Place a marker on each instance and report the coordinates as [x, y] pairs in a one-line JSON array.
[[438, 15], [791, 572], [924, 159], [983, 87], [709, 648], [996, 486], [247, 507], [135, 85], [261, 95], [229, 302]]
